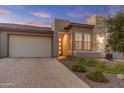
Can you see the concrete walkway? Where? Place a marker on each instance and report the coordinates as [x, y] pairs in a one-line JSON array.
[[37, 73]]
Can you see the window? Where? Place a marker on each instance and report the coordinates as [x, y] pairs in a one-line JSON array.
[[87, 41], [78, 41], [60, 46]]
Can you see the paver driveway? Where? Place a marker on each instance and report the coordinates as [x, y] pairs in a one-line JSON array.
[[36, 72]]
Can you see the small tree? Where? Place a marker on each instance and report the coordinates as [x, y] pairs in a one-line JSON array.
[[115, 27]]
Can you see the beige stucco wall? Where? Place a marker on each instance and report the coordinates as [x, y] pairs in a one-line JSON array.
[[3, 44], [58, 25]]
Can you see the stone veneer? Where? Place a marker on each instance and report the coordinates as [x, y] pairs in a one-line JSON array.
[[99, 32]]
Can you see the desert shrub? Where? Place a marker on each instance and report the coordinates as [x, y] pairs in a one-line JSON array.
[[102, 67], [78, 68], [92, 62], [89, 62], [78, 59], [117, 69], [97, 76], [69, 56]]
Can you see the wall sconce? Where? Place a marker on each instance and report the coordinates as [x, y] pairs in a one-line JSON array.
[[100, 34], [101, 39]]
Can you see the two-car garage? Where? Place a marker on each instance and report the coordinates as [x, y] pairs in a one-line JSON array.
[[29, 46], [25, 41]]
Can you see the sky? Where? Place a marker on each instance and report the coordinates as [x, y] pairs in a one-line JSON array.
[[43, 15]]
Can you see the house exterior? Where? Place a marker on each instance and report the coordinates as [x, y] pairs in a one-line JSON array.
[[86, 40], [63, 38]]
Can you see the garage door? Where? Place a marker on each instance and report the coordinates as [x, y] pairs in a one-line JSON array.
[[29, 46]]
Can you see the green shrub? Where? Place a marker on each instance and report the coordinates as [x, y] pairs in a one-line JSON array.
[[88, 62], [97, 76], [102, 67], [78, 68], [78, 59], [69, 56], [92, 62], [117, 69]]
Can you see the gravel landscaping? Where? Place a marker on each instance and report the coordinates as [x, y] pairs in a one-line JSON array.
[[114, 82]]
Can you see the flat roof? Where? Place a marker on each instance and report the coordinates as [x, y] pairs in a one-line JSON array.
[[8, 26], [73, 24]]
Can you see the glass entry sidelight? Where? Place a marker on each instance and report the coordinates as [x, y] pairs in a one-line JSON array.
[[60, 46]]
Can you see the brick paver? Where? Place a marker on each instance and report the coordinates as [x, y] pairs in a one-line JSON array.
[[37, 73]]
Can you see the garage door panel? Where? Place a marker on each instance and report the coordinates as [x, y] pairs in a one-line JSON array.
[[29, 46]]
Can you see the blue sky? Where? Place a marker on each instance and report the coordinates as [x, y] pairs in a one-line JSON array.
[[43, 15]]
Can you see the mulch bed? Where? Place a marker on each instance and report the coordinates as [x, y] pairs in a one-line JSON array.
[[113, 81]]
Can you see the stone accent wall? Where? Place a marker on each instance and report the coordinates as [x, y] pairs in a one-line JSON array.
[[99, 33]]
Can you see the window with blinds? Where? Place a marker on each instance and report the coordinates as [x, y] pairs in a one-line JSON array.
[[78, 41], [87, 41]]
